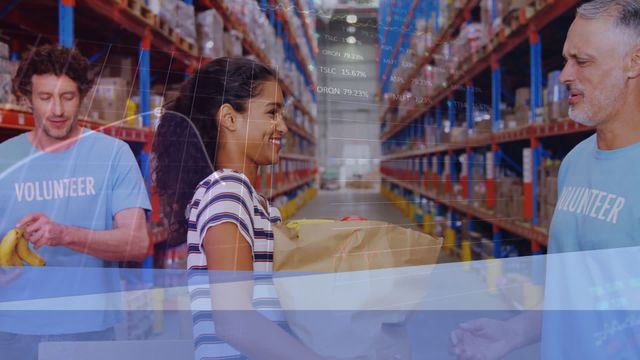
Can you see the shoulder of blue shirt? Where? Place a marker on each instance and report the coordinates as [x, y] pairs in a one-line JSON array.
[[585, 146], [94, 136]]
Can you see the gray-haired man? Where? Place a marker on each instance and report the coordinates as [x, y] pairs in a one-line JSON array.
[[599, 203]]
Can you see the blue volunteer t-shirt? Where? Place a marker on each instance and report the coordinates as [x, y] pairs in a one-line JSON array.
[[84, 186], [598, 209]]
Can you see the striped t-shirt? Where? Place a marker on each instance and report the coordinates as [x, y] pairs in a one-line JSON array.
[[228, 196]]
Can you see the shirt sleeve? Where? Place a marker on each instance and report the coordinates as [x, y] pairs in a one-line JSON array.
[[226, 201], [129, 189], [275, 216]]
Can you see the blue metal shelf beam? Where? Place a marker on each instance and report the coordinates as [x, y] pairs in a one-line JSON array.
[[65, 23]]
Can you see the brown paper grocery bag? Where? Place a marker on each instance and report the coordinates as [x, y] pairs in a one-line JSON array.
[[367, 278], [351, 246]]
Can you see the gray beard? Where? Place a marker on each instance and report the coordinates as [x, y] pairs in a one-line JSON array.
[[579, 119]]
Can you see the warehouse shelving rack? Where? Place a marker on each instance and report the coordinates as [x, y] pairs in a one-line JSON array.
[[415, 179], [233, 23], [134, 17], [304, 13], [458, 19]]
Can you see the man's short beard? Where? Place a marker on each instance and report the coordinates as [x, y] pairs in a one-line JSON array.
[[584, 119], [599, 107], [65, 136]]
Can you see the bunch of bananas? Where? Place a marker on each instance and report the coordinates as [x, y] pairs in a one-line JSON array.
[[14, 250], [295, 224]]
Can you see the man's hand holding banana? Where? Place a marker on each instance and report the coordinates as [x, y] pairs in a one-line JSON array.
[[35, 228], [14, 250], [41, 231]]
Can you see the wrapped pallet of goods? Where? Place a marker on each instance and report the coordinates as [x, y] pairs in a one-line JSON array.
[[186, 26], [8, 69], [167, 10], [232, 43], [210, 29]]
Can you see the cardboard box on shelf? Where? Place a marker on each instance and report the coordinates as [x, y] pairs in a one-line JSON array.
[[548, 193], [523, 96], [444, 137], [517, 208], [522, 116], [458, 134], [117, 66], [482, 127], [360, 184], [478, 191], [509, 198], [110, 99]]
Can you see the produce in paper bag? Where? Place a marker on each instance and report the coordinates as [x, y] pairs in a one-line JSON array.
[[350, 246], [366, 279]]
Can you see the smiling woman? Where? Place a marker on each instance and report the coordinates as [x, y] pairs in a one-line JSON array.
[[228, 116], [226, 122]]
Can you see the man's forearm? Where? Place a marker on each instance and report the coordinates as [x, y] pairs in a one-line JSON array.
[[526, 328], [120, 244]]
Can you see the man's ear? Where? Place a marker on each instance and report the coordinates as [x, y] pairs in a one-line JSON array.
[[227, 118], [634, 64]]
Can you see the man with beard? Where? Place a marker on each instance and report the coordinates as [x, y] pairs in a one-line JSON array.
[[80, 198], [598, 206]]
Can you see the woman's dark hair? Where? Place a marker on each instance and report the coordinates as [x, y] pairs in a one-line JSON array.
[[186, 140], [56, 60]]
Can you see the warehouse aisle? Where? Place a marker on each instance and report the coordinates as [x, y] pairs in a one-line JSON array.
[[365, 203], [426, 338]]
